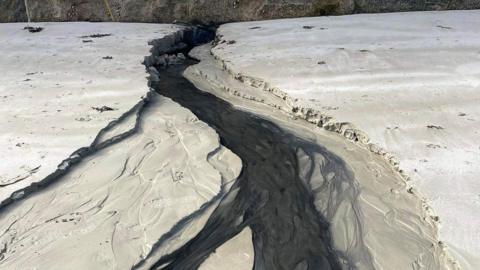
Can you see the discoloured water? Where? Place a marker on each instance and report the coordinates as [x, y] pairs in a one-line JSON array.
[[269, 196]]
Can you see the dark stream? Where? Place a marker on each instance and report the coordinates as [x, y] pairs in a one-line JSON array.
[[288, 232]]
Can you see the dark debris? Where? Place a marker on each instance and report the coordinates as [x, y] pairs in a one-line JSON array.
[[32, 29], [103, 109], [96, 36]]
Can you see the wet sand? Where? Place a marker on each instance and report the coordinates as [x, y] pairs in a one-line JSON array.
[[269, 196]]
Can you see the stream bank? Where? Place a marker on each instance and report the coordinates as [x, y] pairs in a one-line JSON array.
[[364, 206], [269, 196]]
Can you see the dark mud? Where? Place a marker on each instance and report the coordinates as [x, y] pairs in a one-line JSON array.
[[270, 196]]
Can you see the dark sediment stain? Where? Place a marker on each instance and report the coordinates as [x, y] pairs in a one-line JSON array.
[[270, 195]]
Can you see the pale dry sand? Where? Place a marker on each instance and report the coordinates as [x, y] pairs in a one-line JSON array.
[[109, 211], [235, 254], [376, 220], [51, 80], [404, 85]]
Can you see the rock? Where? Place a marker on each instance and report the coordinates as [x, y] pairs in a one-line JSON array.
[[206, 11], [33, 29]]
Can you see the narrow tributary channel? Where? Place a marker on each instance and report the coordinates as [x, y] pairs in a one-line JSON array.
[[270, 198]]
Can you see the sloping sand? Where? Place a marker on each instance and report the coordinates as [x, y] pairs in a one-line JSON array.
[[404, 85], [54, 86]]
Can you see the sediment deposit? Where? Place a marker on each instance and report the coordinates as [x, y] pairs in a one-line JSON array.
[[247, 174]]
